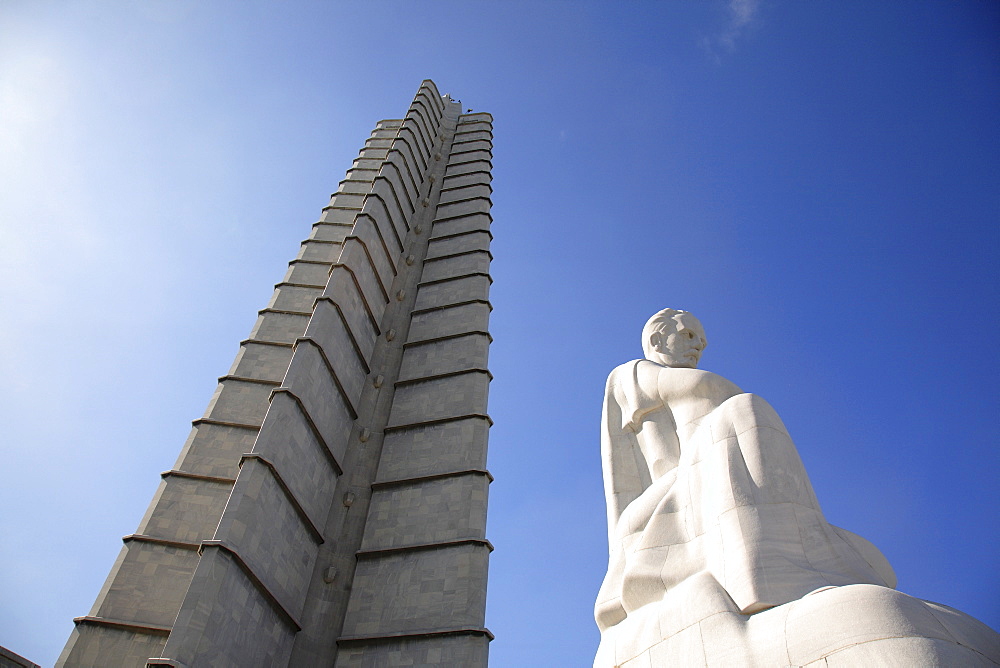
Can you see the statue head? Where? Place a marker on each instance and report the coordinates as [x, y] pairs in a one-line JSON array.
[[673, 338]]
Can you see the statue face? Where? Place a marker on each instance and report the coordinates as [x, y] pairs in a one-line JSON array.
[[682, 347]]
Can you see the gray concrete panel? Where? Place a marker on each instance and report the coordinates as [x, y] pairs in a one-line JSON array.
[[257, 360], [397, 175], [460, 147], [344, 293], [149, 583], [385, 194], [294, 298], [469, 156], [243, 630], [477, 262], [379, 211], [263, 527], [468, 167], [311, 382], [459, 244], [453, 291], [456, 651], [328, 330], [299, 457], [239, 401], [455, 194], [451, 320], [464, 208], [185, 509], [419, 591], [457, 445], [318, 251], [468, 223], [335, 214], [307, 273], [214, 450], [375, 294], [473, 134], [90, 646], [463, 180], [428, 511], [469, 351], [326, 231], [279, 327], [441, 398], [352, 187], [382, 256]]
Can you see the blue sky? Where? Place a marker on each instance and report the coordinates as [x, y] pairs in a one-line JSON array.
[[818, 182]]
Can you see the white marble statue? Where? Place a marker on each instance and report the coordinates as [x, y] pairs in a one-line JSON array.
[[719, 552]]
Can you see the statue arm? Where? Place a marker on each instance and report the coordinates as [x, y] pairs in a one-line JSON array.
[[625, 473]]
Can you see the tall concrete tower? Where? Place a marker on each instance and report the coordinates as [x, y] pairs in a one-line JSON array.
[[330, 506]]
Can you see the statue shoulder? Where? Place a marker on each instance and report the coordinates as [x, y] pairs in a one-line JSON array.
[[683, 383], [633, 387], [629, 374]]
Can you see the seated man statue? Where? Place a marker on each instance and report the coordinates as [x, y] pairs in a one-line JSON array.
[[719, 552]]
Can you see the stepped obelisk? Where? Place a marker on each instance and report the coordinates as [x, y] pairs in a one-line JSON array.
[[330, 506]]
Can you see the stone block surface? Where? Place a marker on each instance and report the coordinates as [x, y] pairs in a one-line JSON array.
[[253, 633], [477, 262], [262, 527], [476, 241], [329, 330], [453, 291], [465, 207], [442, 398], [214, 450], [467, 133], [239, 401], [318, 251], [339, 214], [470, 145], [149, 583], [307, 273], [468, 167], [419, 591], [458, 445], [310, 380], [474, 222], [453, 194], [469, 156], [346, 294], [428, 511], [445, 356], [330, 232], [290, 445], [185, 509], [261, 361], [294, 298], [462, 180], [92, 645], [450, 320], [441, 652], [279, 327], [382, 257]]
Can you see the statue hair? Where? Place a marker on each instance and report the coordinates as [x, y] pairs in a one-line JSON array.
[[661, 320]]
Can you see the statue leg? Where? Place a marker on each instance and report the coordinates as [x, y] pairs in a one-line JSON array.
[[761, 503]]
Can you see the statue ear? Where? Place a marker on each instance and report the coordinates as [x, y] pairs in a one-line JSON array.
[[655, 339]]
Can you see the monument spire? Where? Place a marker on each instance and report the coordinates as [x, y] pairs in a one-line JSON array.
[[330, 506]]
